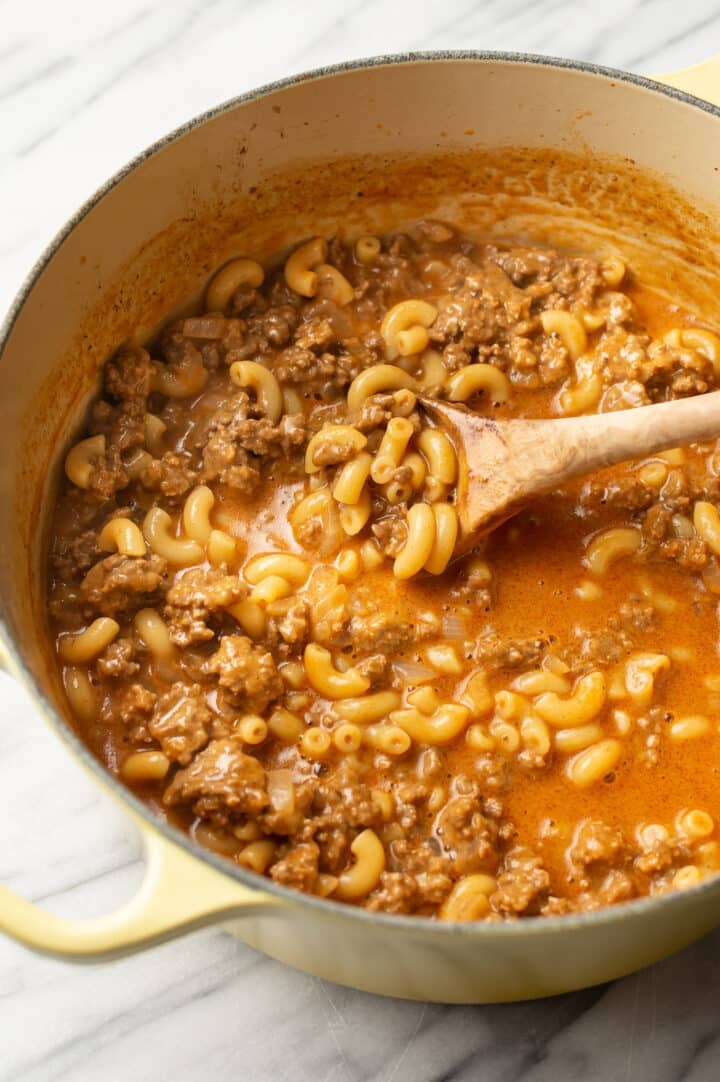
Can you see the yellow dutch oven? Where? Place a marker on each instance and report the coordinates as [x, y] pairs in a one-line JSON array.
[[605, 157]]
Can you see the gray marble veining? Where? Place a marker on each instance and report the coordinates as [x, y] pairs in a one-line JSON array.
[[83, 87]]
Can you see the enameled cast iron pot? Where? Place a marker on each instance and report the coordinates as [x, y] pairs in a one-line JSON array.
[[369, 145]]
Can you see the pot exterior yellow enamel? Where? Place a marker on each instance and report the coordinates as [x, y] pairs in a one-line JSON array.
[[178, 893], [702, 80], [600, 152]]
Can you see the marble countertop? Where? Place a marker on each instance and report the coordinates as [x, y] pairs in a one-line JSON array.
[[83, 87]]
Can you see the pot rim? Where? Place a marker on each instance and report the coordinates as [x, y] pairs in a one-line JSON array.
[[17, 668]]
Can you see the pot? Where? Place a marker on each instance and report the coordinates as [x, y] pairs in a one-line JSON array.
[[606, 159]]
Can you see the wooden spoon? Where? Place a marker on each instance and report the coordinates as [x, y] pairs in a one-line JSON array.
[[502, 465]]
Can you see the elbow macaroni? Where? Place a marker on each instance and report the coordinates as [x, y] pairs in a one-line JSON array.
[[300, 272], [152, 629], [404, 328], [445, 724], [80, 460], [196, 514], [473, 378], [230, 278], [610, 545], [364, 875], [440, 455], [420, 541], [123, 536], [584, 704], [333, 285], [84, 646], [706, 521], [375, 380], [182, 381], [345, 438], [257, 378], [446, 531], [329, 681], [157, 528], [568, 328], [392, 447], [350, 481]]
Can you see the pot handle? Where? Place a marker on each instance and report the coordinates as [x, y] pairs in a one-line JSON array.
[[701, 80], [178, 894]]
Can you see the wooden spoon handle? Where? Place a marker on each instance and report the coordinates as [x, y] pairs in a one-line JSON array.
[[604, 439]]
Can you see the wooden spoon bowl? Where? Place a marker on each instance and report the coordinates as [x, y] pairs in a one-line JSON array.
[[503, 465]]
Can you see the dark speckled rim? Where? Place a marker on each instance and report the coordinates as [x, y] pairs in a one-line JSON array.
[[16, 667]]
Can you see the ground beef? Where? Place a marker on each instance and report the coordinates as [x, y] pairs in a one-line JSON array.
[[396, 893], [294, 626], [223, 457], [376, 668], [391, 532], [287, 817], [117, 661], [134, 705], [128, 375], [298, 365], [128, 381], [235, 443], [378, 409], [180, 722], [276, 325], [298, 868], [623, 357], [430, 870], [379, 632], [170, 475], [119, 584], [258, 436], [467, 835], [658, 854], [488, 308], [108, 475], [618, 635], [315, 333], [498, 653], [492, 313], [74, 555], [120, 418], [522, 883], [341, 807], [551, 275], [664, 371], [617, 886], [221, 783], [690, 553], [624, 494], [246, 672], [656, 525], [558, 907], [174, 345], [332, 452], [596, 845], [195, 598]]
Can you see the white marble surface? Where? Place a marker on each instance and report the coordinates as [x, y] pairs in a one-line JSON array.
[[83, 86]]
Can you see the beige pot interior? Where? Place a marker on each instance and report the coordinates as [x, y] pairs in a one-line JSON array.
[[507, 148]]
